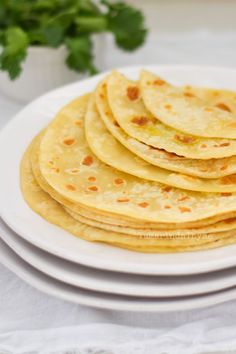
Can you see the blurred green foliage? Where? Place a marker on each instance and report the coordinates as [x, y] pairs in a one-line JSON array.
[[25, 23]]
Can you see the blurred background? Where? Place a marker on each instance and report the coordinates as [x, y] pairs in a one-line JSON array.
[[201, 32], [185, 32]]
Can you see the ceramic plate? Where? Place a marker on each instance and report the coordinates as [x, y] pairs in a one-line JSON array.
[[17, 135], [117, 283], [85, 297]]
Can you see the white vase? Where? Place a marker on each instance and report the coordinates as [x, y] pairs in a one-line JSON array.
[[43, 70]]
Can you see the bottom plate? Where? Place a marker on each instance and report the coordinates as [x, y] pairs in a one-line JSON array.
[[77, 295], [114, 282]]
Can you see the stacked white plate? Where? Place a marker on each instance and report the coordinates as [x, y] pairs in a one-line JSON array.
[[93, 274]]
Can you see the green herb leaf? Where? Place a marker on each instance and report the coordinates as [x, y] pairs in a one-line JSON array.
[[14, 52], [91, 24], [127, 25], [53, 23], [80, 56], [56, 27]]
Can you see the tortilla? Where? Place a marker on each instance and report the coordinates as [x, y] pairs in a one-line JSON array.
[[53, 212], [191, 115], [74, 172], [111, 152], [224, 225], [139, 123], [114, 220], [212, 168]]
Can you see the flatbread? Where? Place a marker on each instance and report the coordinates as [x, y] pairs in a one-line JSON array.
[[43, 204], [212, 168], [67, 164], [111, 152], [225, 225], [139, 123], [112, 219], [190, 115]]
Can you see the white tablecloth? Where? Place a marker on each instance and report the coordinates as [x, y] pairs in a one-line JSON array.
[[32, 322]]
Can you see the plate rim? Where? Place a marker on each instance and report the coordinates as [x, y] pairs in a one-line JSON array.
[[27, 251], [102, 301]]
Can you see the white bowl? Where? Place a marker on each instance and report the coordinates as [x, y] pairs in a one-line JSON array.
[[43, 70]]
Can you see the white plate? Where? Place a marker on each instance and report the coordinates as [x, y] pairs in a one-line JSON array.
[[116, 283], [85, 297], [18, 134]]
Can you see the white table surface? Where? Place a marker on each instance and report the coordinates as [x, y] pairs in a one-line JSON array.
[[25, 312]]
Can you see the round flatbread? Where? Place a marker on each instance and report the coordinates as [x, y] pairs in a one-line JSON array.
[[111, 152], [212, 168], [191, 115], [225, 225], [43, 204], [74, 172], [126, 101]]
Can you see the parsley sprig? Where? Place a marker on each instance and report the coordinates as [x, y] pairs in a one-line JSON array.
[[25, 23]]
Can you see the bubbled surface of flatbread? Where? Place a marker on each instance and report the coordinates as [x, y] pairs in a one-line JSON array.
[[191, 115], [69, 166], [126, 100]]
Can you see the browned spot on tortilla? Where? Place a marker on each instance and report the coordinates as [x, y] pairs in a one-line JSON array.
[[230, 220], [141, 121], [181, 199], [116, 123], [143, 205], [74, 170], [159, 82], [225, 194], [231, 179], [118, 181], [224, 167], [184, 209], [168, 106], [223, 106], [78, 122], [87, 161], [91, 179], [122, 200], [221, 145], [101, 95], [70, 187], [203, 146], [51, 162], [69, 141], [132, 92], [208, 109], [93, 188], [185, 138], [189, 94], [167, 206], [166, 189], [56, 169], [224, 144]]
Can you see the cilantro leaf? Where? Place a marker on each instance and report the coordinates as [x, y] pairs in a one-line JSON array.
[[80, 57], [57, 26], [14, 52], [127, 25], [72, 23], [91, 24]]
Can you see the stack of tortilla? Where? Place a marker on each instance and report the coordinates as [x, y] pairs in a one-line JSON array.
[[143, 165]]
